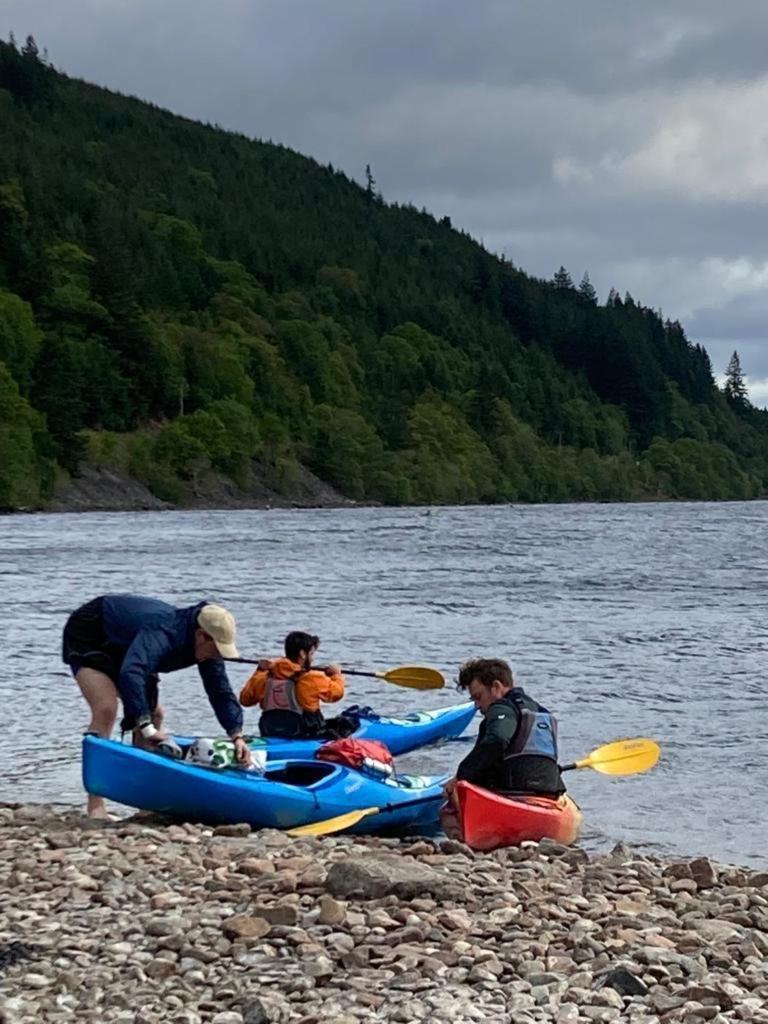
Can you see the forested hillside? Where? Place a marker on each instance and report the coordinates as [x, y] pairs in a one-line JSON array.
[[177, 300]]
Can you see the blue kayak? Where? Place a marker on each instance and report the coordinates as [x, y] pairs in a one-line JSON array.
[[288, 794], [401, 735]]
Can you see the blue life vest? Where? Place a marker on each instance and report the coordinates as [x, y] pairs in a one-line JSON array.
[[536, 732], [531, 758]]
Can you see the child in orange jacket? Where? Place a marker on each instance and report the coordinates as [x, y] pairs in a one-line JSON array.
[[290, 691]]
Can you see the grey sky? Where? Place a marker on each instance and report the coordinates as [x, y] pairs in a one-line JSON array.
[[620, 138]]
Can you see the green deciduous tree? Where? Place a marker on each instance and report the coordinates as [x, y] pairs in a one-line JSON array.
[[20, 339], [446, 462], [26, 468]]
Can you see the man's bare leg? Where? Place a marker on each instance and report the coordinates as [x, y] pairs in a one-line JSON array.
[[101, 694]]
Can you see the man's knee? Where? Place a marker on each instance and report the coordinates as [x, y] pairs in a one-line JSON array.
[[99, 691]]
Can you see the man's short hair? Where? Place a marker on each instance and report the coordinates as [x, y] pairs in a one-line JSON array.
[[485, 671], [297, 642]]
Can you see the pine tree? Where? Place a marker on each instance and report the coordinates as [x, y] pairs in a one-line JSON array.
[[586, 290], [30, 49], [735, 389], [562, 279], [370, 182]]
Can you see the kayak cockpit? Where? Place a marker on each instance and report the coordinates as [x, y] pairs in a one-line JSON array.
[[298, 773]]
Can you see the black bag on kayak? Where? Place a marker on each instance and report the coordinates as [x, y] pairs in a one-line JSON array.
[[340, 727]]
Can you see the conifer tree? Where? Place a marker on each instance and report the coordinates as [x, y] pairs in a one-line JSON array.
[[30, 49], [586, 290], [370, 182], [562, 279], [735, 389]]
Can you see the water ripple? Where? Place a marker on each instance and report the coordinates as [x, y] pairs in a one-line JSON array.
[[626, 619]]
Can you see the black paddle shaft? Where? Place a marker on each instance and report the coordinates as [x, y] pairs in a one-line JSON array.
[[258, 661], [411, 803]]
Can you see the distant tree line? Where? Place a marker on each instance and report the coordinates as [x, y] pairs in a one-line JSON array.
[[178, 300]]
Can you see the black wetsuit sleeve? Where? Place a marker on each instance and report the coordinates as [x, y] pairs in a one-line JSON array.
[[484, 764]]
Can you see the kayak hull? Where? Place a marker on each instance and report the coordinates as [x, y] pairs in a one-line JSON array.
[[486, 821], [401, 735], [288, 794]]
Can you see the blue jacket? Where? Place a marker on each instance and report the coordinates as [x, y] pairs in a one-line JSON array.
[[157, 637]]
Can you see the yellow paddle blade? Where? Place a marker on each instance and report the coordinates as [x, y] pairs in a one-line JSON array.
[[341, 821], [624, 757], [414, 676]]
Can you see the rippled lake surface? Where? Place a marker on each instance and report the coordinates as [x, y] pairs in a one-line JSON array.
[[626, 620]]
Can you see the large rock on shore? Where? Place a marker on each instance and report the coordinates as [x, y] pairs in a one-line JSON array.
[[136, 921], [371, 877]]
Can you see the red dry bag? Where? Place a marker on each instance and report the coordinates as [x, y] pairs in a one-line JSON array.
[[366, 755]]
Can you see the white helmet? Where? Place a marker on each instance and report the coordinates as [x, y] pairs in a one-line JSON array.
[[201, 751]]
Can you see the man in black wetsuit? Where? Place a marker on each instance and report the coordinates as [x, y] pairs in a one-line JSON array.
[[516, 747]]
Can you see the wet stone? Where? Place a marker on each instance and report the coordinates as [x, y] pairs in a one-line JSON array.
[[282, 914], [624, 982], [234, 831], [156, 922], [332, 911], [244, 926], [256, 866]]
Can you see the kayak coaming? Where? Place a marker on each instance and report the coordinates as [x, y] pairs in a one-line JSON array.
[[401, 735], [138, 778], [488, 820]]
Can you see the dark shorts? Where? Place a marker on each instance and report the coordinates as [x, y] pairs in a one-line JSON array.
[[85, 645]]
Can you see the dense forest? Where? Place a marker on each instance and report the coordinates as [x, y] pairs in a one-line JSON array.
[[177, 300]]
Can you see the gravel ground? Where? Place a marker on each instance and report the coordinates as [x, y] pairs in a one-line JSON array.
[[138, 920]]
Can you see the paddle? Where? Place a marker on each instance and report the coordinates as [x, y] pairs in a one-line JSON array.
[[624, 757], [342, 821], [414, 676]]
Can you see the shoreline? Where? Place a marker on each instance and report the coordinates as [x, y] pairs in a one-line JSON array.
[[285, 504], [136, 920], [105, 489]]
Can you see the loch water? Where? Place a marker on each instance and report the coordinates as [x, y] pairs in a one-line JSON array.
[[626, 620]]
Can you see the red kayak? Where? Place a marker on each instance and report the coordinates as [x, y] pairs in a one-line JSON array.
[[486, 820]]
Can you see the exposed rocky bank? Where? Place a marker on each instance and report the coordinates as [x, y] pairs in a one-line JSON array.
[[107, 489], [138, 921]]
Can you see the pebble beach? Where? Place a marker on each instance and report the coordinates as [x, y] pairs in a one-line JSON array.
[[140, 920]]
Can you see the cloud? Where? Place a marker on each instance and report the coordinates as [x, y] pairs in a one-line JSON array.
[[758, 391], [703, 142], [695, 287], [622, 139]]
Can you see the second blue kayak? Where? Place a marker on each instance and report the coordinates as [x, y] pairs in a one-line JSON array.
[[401, 735]]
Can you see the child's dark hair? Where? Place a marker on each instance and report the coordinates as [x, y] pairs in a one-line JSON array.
[[297, 642]]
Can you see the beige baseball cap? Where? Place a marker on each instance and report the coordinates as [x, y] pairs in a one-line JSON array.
[[219, 624]]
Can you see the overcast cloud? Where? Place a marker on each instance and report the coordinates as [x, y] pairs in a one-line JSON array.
[[623, 139]]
